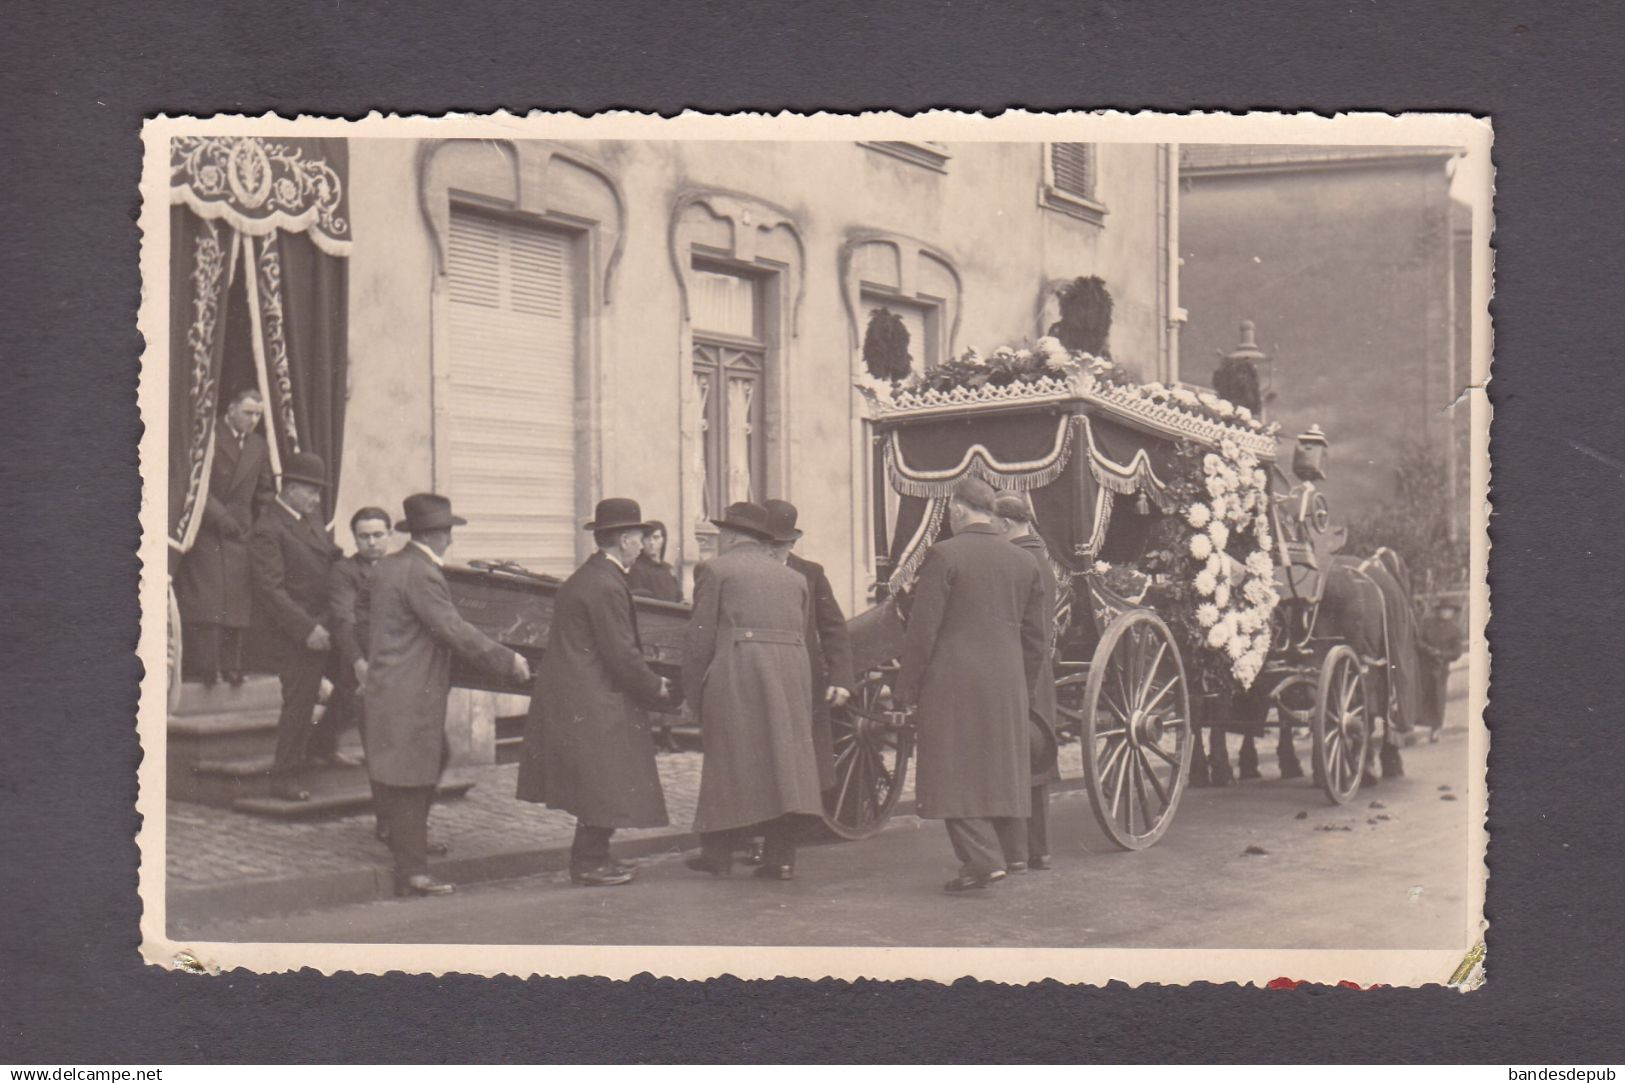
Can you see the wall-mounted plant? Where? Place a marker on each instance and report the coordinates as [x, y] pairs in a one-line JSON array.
[[1086, 316], [885, 346]]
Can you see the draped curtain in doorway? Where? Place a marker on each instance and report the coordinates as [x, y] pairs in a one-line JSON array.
[[259, 240]]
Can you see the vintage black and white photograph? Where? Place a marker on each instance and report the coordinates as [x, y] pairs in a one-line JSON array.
[[1021, 547]]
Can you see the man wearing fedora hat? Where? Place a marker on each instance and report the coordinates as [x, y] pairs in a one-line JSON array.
[[291, 554], [971, 657], [414, 629], [745, 670], [588, 747], [829, 651]]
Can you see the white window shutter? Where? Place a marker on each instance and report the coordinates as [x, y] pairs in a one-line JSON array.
[[511, 409]]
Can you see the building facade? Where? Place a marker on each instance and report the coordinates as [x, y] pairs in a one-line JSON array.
[[1350, 263], [534, 324]]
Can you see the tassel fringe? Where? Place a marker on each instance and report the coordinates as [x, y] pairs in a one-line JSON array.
[[979, 462]]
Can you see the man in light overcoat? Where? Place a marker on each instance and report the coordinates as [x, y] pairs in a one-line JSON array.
[[970, 658], [589, 749], [414, 630], [213, 586], [1015, 513], [745, 671]]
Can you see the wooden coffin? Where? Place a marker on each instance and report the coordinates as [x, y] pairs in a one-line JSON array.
[[515, 607]]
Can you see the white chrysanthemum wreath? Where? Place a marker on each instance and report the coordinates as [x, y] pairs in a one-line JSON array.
[[1238, 596]]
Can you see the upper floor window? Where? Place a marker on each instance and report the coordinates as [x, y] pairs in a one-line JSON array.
[[730, 376], [1071, 173], [930, 155]]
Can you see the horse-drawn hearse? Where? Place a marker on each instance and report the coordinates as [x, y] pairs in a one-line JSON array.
[[1200, 588]]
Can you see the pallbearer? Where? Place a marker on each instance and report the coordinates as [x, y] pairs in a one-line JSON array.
[[1015, 515], [588, 749], [970, 659], [415, 629], [745, 670]]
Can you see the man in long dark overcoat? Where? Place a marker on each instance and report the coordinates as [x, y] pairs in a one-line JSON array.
[[291, 554], [414, 630], [213, 586], [970, 658], [829, 651], [588, 747], [1015, 513], [745, 670]]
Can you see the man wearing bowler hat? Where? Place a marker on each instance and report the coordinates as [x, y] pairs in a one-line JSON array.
[[414, 630], [970, 659], [745, 670], [828, 649], [290, 553], [588, 747]]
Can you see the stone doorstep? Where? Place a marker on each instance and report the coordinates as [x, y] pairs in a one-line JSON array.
[[343, 798], [256, 693]]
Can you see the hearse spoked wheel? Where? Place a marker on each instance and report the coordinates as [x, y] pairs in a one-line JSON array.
[[1071, 686], [871, 759], [1341, 727], [1137, 729]]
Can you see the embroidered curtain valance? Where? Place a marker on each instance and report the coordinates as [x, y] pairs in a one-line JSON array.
[[259, 185]]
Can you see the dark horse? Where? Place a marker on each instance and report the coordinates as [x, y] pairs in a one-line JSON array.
[[1366, 604]]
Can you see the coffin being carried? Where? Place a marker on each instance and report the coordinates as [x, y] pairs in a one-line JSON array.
[[515, 607]]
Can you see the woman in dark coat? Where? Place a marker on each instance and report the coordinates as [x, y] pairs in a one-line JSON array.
[[651, 576]]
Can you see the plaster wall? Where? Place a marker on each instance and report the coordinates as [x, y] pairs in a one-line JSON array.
[[983, 212], [1346, 274]]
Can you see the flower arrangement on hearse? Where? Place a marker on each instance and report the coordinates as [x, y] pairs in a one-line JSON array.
[[1209, 565]]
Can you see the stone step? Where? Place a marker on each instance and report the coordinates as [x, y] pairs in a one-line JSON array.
[[222, 779], [337, 802], [255, 694], [198, 738]]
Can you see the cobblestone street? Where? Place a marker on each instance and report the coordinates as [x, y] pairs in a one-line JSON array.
[[210, 846]]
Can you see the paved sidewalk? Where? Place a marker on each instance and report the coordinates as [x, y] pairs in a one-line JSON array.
[[222, 862]]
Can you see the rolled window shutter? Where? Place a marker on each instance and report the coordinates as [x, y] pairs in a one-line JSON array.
[[512, 447]]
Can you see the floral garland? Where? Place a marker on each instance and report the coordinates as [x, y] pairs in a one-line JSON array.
[[1049, 360], [1213, 558]]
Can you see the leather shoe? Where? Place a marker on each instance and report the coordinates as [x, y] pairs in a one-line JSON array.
[[1015, 867], [774, 872], [753, 856], [1039, 863], [423, 884], [972, 882], [435, 848], [289, 791], [703, 864], [609, 874]]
